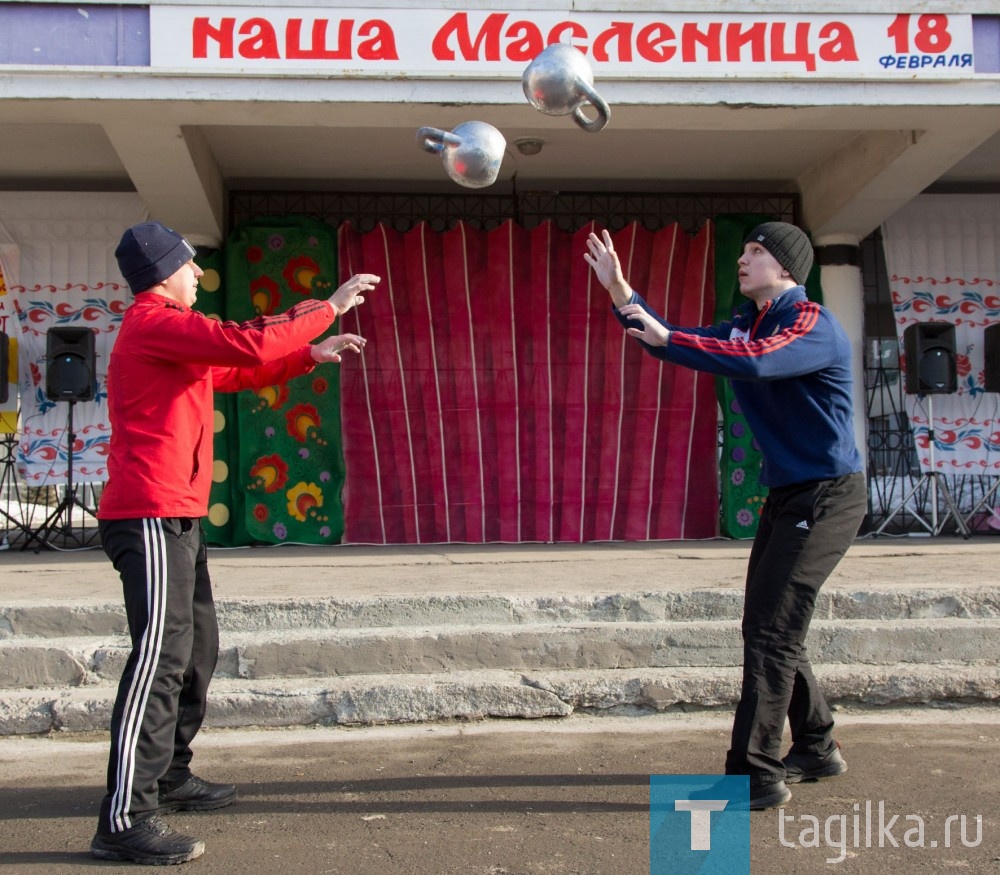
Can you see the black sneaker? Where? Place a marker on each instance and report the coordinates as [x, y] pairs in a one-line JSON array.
[[768, 795], [761, 795], [151, 842], [196, 795], [811, 767]]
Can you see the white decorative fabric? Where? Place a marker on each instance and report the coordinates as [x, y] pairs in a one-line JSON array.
[[943, 259], [57, 256]]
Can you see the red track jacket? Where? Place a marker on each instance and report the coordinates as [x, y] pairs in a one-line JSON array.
[[165, 365]]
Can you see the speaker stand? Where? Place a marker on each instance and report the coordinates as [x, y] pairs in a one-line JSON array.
[[938, 487], [9, 486], [61, 519], [984, 504]]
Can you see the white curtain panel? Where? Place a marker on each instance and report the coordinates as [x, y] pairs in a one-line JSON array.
[[57, 256], [943, 258]]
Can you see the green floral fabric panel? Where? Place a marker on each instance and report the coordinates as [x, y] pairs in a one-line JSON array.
[[219, 523], [289, 472]]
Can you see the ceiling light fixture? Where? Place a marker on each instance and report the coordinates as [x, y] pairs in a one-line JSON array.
[[529, 145]]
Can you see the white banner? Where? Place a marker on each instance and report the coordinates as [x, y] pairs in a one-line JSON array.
[[943, 258], [436, 42]]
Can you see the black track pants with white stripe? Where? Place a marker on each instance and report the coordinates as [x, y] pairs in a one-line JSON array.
[[175, 644]]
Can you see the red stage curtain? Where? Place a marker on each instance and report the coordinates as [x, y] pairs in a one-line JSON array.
[[498, 399]]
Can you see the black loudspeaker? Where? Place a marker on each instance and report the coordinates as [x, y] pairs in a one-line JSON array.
[[71, 359], [4, 366], [930, 358], [991, 339]]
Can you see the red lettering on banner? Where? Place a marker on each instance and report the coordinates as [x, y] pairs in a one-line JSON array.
[[202, 31], [655, 42], [379, 41], [458, 27], [262, 42], [692, 36], [839, 45], [519, 41], [318, 50], [800, 52], [737, 37], [621, 31], [526, 41], [932, 34], [920, 41]]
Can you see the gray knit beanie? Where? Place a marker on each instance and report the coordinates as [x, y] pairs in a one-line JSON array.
[[788, 244]]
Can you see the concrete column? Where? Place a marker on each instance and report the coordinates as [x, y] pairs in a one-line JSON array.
[[839, 256]]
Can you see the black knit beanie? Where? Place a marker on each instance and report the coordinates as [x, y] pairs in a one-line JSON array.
[[149, 253], [788, 244]]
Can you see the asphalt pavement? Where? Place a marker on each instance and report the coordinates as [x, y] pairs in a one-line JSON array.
[[525, 798]]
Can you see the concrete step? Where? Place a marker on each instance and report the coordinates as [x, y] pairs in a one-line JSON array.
[[68, 618], [328, 652], [405, 658], [366, 700]]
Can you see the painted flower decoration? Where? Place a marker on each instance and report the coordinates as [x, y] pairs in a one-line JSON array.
[[272, 397], [300, 273], [320, 385], [302, 421], [254, 254], [304, 499], [269, 473], [264, 295], [260, 512]]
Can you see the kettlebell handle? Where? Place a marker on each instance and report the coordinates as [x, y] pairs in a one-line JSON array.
[[434, 139], [603, 110]]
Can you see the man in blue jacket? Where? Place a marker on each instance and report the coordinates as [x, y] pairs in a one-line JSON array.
[[790, 365]]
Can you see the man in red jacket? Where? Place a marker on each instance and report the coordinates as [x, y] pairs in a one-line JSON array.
[[166, 364]]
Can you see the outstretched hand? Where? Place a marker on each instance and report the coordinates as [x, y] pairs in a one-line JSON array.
[[652, 332], [329, 350], [349, 294], [607, 268]]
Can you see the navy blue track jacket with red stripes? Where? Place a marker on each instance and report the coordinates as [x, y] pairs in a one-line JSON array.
[[790, 367]]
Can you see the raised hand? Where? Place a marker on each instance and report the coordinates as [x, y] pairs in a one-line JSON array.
[[349, 294], [652, 332], [329, 350], [607, 268]]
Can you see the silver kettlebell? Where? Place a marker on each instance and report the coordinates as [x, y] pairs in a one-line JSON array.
[[560, 81], [472, 152]]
